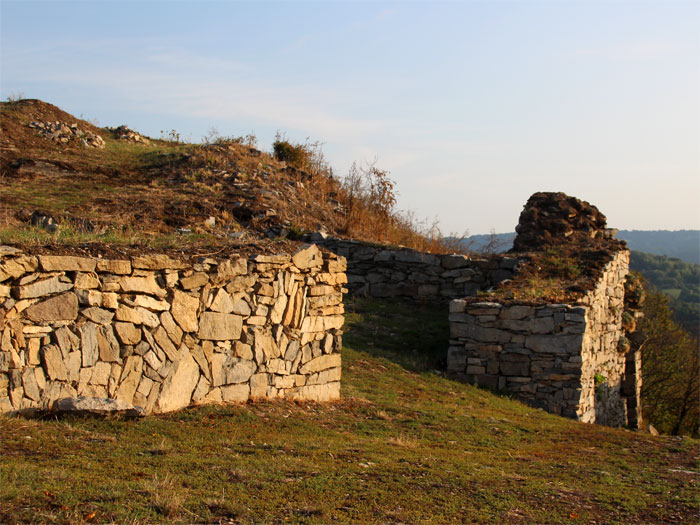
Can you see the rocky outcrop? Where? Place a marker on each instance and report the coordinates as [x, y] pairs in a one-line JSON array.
[[158, 334], [64, 133]]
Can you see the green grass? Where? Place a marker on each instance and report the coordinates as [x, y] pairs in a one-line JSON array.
[[70, 236], [403, 445]]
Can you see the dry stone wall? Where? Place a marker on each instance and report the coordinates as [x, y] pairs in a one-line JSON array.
[[560, 357], [160, 334], [384, 271]]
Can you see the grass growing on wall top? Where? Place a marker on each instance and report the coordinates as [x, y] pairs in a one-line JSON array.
[[403, 445]]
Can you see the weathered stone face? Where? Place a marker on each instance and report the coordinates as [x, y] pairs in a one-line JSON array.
[[549, 355], [155, 334]]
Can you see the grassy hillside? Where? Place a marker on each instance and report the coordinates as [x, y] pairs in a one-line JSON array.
[[163, 193], [403, 445]]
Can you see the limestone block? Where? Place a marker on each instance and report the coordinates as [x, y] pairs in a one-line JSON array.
[[278, 309], [16, 267], [200, 391], [327, 392], [137, 315], [321, 363], [31, 388], [536, 325], [88, 344], [271, 259], [156, 262], [454, 261], [178, 388], [216, 326], [307, 258], [277, 366], [230, 269], [184, 310], [53, 363], [239, 370], [555, 344], [235, 393], [86, 281], [114, 266], [173, 330], [66, 263], [127, 333], [130, 378], [62, 307], [258, 385], [146, 301], [223, 303], [98, 315], [73, 363], [107, 344], [100, 374], [479, 333], [89, 297], [456, 359], [164, 342], [94, 405], [152, 360], [240, 284], [144, 284], [516, 312], [42, 288], [196, 280]]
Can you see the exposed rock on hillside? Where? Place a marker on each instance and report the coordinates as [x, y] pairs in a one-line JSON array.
[[63, 132], [550, 218]]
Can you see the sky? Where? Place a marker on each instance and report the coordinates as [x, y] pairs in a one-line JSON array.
[[471, 106]]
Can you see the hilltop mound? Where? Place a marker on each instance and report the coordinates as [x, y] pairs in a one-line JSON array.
[[227, 190], [120, 187]]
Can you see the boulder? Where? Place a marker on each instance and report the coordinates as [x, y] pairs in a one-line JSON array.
[[97, 406]]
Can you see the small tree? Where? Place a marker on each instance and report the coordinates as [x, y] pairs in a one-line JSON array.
[[670, 370]]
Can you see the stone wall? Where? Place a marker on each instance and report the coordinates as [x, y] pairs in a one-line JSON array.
[[161, 334], [563, 358], [385, 271]]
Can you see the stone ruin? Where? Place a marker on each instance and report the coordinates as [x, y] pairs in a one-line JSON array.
[[154, 334], [573, 359]]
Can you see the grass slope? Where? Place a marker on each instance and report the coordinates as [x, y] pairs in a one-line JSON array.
[[403, 445]]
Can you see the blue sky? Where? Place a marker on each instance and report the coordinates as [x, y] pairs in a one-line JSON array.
[[472, 106]]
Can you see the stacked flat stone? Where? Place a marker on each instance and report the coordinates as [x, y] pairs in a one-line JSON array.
[[549, 218], [161, 334], [559, 357], [381, 271], [64, 133]]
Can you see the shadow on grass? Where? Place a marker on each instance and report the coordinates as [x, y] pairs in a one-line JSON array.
[[411, 334]]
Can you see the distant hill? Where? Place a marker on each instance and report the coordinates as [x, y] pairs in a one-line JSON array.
[[681, 244]]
